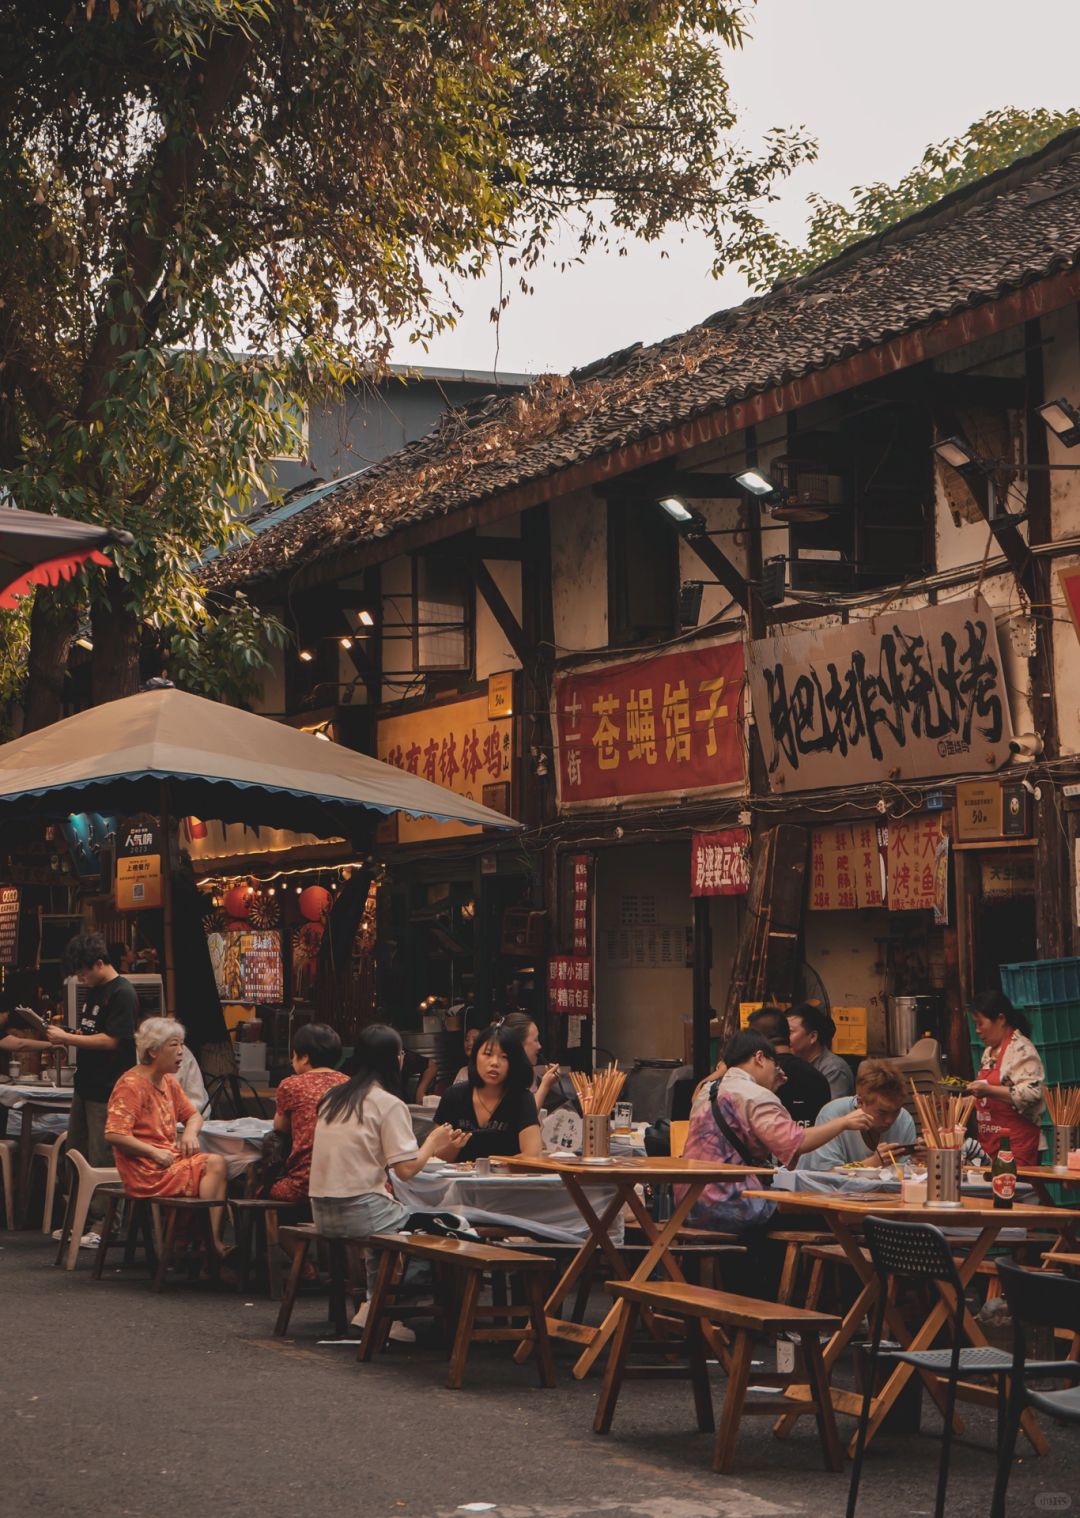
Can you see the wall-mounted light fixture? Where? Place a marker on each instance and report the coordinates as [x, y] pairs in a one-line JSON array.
[[1063, 421], [305, 655], [367, 618], [754, 482], [676, 508]]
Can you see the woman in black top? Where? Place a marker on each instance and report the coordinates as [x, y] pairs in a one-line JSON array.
[[495, 1106]]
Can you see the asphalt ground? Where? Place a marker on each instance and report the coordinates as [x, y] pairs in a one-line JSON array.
[[124, 1404]]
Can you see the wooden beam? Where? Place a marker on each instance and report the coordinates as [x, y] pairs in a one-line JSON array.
[[500, 610], [508, 549], [720, 565], [650, 484]]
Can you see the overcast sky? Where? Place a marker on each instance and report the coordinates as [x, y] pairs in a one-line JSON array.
[[873, 82]]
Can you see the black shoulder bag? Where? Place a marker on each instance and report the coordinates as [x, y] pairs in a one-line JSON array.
[[733, 1138]]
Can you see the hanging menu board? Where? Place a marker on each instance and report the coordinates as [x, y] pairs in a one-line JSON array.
[[9, 924]]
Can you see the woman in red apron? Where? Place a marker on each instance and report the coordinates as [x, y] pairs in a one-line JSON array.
[[1009, 1085]]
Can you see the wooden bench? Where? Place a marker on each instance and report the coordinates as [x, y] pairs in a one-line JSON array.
[[347, 1273], [742, 1318], [468, 1263], [159, 1233]]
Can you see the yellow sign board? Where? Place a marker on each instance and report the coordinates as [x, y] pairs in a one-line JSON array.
[[978, 810], [500, 690], [455, 745], [138, 882], [851, 1030]]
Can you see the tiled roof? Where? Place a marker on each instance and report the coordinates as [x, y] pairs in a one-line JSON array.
[[984, 241]]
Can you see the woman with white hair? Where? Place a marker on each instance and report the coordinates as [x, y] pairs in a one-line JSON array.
[[146, 1106]]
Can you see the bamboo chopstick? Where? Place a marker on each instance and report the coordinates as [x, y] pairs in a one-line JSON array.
[[598, 1093], [1063, 1105]]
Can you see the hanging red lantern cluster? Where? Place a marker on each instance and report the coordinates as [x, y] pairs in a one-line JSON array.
[[237, 902]]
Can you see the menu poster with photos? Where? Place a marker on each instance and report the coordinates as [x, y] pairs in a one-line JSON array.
[[248, 967]]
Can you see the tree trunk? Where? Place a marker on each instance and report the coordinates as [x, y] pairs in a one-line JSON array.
[[52, 629], [117, 640]]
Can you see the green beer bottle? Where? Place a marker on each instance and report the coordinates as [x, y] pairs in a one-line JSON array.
[[1003, 1176]]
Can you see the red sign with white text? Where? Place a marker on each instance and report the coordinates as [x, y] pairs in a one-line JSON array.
[[720, 864], [654, 727], [570, 985]]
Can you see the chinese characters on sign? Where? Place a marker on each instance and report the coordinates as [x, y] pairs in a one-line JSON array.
[[570, 984], [654, 727], [914, 862], [720, 863], [9, 924], [455, 745], [581, 904], [138, 865], [897, 696], [845, 868]]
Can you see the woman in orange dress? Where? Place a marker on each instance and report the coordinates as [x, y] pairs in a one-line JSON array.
[[145, 1108]]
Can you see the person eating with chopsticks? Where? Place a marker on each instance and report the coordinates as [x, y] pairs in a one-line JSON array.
[[1009, 1085], [743, 1122], [495, 1106], [879, 1092]]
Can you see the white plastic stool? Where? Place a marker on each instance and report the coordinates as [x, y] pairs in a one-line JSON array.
[[85, 1182], [7, 1154], [50, 1151]]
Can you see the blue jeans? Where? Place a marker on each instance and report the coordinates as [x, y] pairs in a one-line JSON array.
[[358, 1217]]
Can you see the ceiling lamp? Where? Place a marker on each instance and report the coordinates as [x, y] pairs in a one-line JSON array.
[[1063, 421]]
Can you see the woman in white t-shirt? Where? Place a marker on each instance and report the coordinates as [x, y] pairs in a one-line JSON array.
[[362, 1133]]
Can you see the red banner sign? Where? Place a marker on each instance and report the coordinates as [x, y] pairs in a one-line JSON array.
[[720, 863], [582, 924], [570, 984], [655, 727]]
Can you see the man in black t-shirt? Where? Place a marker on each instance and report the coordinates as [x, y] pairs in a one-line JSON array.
[[805, 1091], [104, 1043]]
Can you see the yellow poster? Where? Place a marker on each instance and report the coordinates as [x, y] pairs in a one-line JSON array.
[[851, 1034], [138, 882], [455, 745]]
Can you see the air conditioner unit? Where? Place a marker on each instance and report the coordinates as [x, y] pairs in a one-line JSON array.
[[148, 988]]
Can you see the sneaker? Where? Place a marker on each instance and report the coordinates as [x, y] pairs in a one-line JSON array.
[[90, 1241], [360, 1319], [401, 1333], [58, 1234]]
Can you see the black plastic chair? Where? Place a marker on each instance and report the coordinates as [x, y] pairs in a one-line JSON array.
[[920, 1252], [1040, 1299]]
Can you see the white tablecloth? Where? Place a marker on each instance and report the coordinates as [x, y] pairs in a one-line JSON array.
[[540, 1203], [238, 1139], [46, 1123], [14, 1096]]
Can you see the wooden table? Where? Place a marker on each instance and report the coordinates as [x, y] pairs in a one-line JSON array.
[[621, 1176], [1042, 1176], [843, 1216]]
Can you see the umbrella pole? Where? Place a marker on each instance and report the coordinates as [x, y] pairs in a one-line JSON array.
[[167, 901]]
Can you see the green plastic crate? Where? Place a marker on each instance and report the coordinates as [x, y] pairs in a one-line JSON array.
[[1041, 982]]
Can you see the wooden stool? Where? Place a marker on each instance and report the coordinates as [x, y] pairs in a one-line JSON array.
[[472, 1261], [741, 1316], [165, 1211], [250, 1216], [295, 1238], [794, 1242], [139, 1221]]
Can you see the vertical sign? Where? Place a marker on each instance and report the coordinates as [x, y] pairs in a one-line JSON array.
[[581, 903], [845, 868], [9, 924], [915, 864], [138, 865]]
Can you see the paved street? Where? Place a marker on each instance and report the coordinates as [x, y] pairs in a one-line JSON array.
[[128, 1405]]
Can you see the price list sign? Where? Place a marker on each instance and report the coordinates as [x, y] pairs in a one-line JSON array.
[[9, 924]]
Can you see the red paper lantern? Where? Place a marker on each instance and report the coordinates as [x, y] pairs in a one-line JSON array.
[[315, 902], [237, 902]]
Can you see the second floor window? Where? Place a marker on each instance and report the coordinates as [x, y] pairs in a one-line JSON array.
[[643, 574], [441, 615]]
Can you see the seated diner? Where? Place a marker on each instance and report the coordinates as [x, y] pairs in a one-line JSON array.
[[743, 1122], [145, 1108], [316, 1050], [495, 1107], [879, 1092]]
